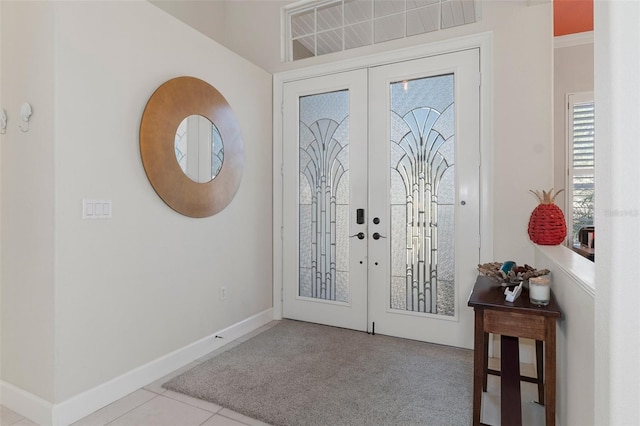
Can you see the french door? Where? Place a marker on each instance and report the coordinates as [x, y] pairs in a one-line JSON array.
[[381, 198]]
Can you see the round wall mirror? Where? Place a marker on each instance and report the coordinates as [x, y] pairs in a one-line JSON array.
[[193, 190], [199, 148]]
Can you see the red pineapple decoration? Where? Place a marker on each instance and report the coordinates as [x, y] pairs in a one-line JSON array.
[[546, 224]]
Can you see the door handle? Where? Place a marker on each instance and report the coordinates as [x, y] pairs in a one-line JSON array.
[[360, 235], [377, 236]]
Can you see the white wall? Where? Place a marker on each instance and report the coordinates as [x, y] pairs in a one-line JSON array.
[[27, 262], [522, 120], [208, 17], [617, 215], [572, 285], [249, 17], [125, 291], [572, 72]]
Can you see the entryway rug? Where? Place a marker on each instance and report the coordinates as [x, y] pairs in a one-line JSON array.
[[303, 374]]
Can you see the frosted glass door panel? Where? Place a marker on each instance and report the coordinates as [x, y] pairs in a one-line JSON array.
[[324, 196], [422, 159]]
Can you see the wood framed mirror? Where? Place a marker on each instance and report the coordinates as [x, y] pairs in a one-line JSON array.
[[170, 107]]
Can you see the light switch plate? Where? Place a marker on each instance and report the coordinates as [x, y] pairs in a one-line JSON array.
[[96, 209]]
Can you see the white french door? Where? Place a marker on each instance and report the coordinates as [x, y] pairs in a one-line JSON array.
[[381, 198], [324, 179], [424, 125]]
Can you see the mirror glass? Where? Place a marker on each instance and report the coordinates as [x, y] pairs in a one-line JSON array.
[[199, 149]]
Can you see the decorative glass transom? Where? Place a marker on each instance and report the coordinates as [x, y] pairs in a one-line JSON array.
[[325, 26]]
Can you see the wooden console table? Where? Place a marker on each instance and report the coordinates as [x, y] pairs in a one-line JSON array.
[[512, 320]]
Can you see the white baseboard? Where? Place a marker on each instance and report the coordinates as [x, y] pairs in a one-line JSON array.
[[73, 409], [26, 404]]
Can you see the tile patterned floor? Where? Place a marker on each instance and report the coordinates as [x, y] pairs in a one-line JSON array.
[[155, 406], [147, 408]]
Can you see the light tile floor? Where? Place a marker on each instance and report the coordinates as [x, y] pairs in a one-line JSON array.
[[532, 413], [155, 406]]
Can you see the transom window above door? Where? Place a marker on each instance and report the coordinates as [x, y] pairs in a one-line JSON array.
[[325, 26]]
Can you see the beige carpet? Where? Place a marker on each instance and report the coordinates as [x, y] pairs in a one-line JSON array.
[[298, 373]]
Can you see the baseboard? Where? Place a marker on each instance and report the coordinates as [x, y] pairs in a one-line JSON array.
[[26, 404], [73, 409]]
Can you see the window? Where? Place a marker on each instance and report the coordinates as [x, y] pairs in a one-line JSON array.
[[326, 26], [581, 163]]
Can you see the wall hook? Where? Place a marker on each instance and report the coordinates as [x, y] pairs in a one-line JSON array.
[[25, 114], [3, 121]]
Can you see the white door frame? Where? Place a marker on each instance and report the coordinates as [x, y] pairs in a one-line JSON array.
[[484, 42]]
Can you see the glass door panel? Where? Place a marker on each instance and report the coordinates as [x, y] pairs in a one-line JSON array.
[[422, 157], [324, 196]]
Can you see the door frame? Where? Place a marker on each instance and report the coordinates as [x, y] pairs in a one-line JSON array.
[[482, 41]]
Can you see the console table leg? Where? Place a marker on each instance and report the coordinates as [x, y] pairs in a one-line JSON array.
[[510, 400], [478, 364], [550, 372], [485, 365], [540, 370]]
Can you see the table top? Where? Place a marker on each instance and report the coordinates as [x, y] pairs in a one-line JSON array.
[[489, 294]]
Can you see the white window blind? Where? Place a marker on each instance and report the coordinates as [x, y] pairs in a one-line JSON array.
[[581, 162]]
